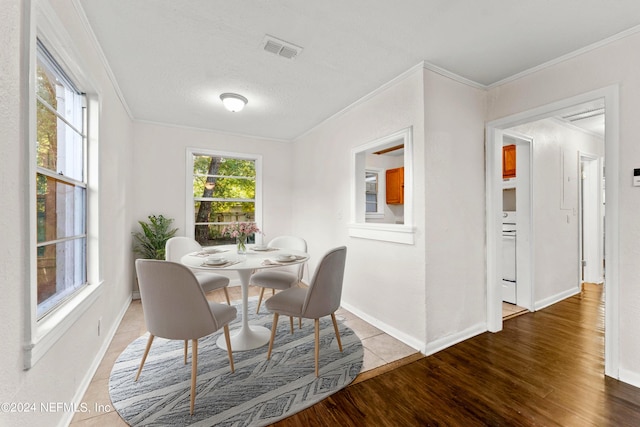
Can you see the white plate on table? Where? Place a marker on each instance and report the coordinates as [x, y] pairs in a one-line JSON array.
[[286, 258], [210, 250], [260, 248], [215, 261]]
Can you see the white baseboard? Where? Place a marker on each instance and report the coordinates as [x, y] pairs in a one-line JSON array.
[[629, 377], [539, 305], [395, 333], [449, 340], [86, 380]]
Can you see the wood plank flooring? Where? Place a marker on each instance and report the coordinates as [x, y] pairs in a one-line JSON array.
[[544, 369]]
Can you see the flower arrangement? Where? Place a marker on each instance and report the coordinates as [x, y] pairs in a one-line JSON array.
[[240, 231]]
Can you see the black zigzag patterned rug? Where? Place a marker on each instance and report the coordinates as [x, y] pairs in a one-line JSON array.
[[260, 391]]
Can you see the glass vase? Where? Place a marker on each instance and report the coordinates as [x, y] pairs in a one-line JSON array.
[[241, 243]]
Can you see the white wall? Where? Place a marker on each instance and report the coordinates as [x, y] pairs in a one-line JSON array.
[[454, 210], [556, 253], [63, 373], [429, 294], [382, 280], [159, 186], [13, 222], [615, 63]]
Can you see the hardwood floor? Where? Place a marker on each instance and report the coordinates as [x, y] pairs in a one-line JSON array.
[[544, 369]]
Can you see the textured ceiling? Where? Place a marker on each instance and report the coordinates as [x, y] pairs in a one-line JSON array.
[[171, 59]]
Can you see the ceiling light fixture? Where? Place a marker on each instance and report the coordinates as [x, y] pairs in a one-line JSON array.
[[233, 102]]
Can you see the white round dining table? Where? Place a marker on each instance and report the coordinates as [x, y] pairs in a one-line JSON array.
[[248, 336]]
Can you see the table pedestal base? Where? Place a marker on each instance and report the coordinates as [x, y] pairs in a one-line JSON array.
[[246, 338]]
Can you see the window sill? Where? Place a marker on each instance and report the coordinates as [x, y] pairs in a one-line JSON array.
[[397, 233], [53, 327]]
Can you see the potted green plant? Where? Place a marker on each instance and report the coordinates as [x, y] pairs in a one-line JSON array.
[[150, 242]]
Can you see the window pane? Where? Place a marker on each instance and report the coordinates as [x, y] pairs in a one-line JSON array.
[[224, 188], [60, 209], [46, 85], [224, 166], [61, 270], [211, 235], [60, 148], [224, 212], [57, 91], [237, 167], [372, 202], [47, 147]]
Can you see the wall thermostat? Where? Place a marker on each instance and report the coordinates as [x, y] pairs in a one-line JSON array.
[[636, 177]]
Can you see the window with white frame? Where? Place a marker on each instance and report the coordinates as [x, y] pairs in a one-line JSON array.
[[224, 188], [374, 193], [61, 184], [371, 191]]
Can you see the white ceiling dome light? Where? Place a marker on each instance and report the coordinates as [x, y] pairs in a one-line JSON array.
[[233, 102]]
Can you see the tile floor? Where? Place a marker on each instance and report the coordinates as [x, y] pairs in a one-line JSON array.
[[379, 349]]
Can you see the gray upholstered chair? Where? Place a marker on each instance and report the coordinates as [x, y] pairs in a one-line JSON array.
[[179, 246], [322, 298], [284, 277], [175, 307]]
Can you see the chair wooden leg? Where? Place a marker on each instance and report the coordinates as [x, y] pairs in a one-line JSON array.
[[227, 338], [260, 300], [317, 340], [144, 356], [291, 322], [335, 328], [274, 326], [194, 372], [226, 295], [299, 322], [273, 292], [186, 350]]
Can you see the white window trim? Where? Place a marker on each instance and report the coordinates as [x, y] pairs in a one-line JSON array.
[[190, 214], [358, 227], [41, 335]]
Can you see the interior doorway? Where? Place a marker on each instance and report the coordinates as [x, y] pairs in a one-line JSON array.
[[517, 203], [608, 98], [592, 198]]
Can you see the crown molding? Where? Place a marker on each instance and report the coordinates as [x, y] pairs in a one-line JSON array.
[[365, 98], [103, 59], [453, 76]]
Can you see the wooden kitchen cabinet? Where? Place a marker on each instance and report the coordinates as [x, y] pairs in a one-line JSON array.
[[509, 161], [395, 186]]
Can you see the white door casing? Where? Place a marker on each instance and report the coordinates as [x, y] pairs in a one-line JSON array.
[[494, 138]]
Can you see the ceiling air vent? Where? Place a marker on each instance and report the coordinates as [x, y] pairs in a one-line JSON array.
[[281, 47]]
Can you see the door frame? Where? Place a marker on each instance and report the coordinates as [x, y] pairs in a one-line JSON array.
[[596, 197], [493, 153]]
